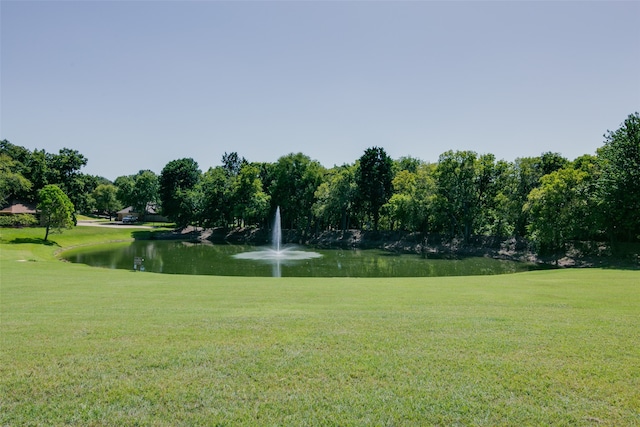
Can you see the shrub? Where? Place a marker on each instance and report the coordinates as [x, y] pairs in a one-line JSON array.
[[19, 220]]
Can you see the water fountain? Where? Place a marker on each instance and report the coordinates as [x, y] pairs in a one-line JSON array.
[[277, 254], [276, 235]]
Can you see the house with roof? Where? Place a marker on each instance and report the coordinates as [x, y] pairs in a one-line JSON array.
[[18, 214], [152, 214], [17, 208]]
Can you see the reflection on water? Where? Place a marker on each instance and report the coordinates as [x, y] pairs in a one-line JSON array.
[[277, 257], [174, 257]]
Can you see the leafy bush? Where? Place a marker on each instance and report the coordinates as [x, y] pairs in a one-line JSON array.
[[19, 220]]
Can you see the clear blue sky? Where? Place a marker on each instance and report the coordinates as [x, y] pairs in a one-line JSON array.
[[134, 85]]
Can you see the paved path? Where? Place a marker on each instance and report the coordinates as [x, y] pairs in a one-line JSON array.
[[111, 224]]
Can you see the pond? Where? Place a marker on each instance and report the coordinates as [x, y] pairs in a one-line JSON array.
[[180, 257]]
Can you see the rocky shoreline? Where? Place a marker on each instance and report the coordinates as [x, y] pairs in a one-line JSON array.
[[426, 245]]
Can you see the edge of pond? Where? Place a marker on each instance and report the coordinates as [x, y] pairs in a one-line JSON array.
[[435, 246]]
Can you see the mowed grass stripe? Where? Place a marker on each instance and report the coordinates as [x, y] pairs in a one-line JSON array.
[[89, 346]]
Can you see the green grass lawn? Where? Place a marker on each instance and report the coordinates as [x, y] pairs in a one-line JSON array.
[[89, 346]]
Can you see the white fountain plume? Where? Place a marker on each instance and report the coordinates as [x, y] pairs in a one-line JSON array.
[[276, 237], [277, 253]]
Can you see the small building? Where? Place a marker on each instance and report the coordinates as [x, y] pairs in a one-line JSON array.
[[17, 208], [152, 214]]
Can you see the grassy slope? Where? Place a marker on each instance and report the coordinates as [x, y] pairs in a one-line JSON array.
[[87, 346]]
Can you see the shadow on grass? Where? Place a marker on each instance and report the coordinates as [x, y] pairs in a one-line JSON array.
[[164, 234], [619, 256], [621, 264], [34, 241]]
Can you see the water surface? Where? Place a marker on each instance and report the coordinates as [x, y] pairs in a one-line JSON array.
[[177, 257]]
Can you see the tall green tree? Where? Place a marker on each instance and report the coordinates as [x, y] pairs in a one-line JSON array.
[[20, 162], [295, 179], [374, 178], [411, 205], [65, 165], [232, 163], [619, 182], [12, 182], [219, 186], [400, 206], [63, 169], [492, 177], [37, 172], [408, 163], [82, 193], [145, 192], [177, 179], [550, 162], [555, 208], [217, 190], [526, 177], [191, 206], [105, 196], [56, 210], [250, 202], [456, 192], [17, 153], [527, 173], [499, 217], [587, 224], [335, 197], [125, 184]]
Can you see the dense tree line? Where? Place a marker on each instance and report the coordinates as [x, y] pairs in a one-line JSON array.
[[548, 198], [23, 173]]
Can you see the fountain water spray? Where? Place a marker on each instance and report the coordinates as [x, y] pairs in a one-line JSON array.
[[277, 254], [276, 236]]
